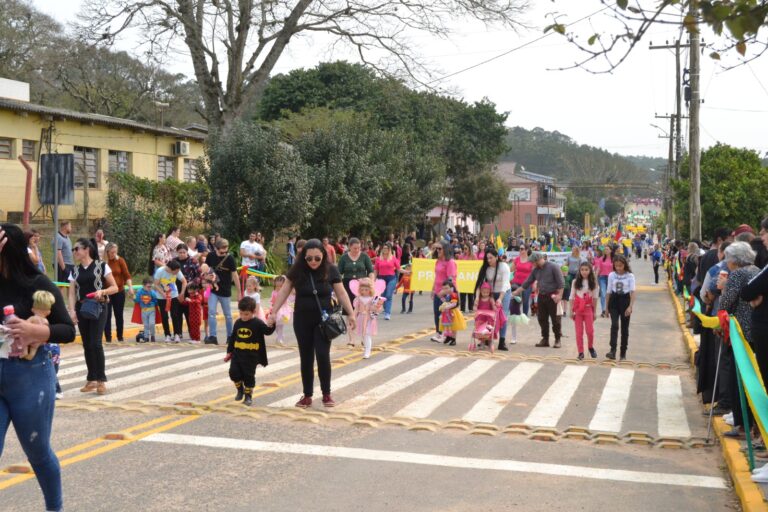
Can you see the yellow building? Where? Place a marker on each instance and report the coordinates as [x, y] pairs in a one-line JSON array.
[[101, 145]]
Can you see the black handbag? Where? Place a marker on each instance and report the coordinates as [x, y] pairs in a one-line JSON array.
[[91, 309], [331, 325]]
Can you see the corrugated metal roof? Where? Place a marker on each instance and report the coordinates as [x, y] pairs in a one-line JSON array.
[[115, 122]]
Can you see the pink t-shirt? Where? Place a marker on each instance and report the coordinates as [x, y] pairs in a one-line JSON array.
[[604, 265], [386, 267], [443, 270], [522, 270]]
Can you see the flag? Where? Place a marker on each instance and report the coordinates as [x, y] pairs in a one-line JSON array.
[[499, 242], [618, 232]]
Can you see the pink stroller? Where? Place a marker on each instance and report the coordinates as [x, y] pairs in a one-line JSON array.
[[484, 331]]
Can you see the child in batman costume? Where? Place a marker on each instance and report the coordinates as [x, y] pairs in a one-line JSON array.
[[247, 348]]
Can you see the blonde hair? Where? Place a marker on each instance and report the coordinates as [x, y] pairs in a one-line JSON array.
[[254, 281], [43, 300], [364, 283]]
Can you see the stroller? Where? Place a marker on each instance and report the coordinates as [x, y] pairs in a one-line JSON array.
[[484, 332]]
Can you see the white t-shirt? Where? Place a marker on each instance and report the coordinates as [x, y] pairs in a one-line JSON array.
[[251, 248], [621, 283], [584, 290], [502, 277], [256, 296]]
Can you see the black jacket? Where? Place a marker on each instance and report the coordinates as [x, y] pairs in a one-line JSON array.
[[757, 286], [247, 341]]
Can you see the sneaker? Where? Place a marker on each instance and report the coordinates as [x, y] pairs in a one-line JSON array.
[[728, 419], [447, 340], [248, 401], [452, 343], [542, 343], [328, 401], [437, 338], [101, 388], [176, 338], [593, 353], [91, 385], [211, 340], [240, 394], [513, 341], [611, 355], [557, 344], [581, 356], [386, 316], [168, 339], [304, 402], [402, 311], [623, 356], [59, 396]]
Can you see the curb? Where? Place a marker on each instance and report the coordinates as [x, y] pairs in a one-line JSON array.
[[749, 493]]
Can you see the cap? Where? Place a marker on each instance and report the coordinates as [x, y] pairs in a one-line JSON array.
[[744, 228]]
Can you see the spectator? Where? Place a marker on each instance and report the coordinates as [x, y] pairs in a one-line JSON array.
[[549, 279], [166, 278], [329, 249], [159, 254], [387, 266], [190, 269], [101, 244], [64, 261], [290, 248], [445, 268], [91, 276], [28, 394], [33, 249], [191, 243], [116, 303], [497, 274], [172, 240], [223, 264]]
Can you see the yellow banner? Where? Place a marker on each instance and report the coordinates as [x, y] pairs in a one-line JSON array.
[[534, 231], [587, 224], [423, 274], [467, 272]]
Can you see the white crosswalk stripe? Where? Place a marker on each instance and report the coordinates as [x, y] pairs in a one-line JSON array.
[[190, 393], [673, 421], [488, 408], [351, 378], [176, 354], [552, 405], [402, 381], [112, 360], [426, 405], [609, 415]]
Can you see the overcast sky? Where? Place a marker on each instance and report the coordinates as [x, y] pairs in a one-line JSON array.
[[612, 111]]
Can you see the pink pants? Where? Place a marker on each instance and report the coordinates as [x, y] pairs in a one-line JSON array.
[[583, 321]]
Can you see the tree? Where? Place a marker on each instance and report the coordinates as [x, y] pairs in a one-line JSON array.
[[739, 24], [25, 34], [731, 180], [483, 195], [256, 181], [577, 207], [612, 207], [234, 46]]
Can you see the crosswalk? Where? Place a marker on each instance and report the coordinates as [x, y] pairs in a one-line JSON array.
[[403, 385]]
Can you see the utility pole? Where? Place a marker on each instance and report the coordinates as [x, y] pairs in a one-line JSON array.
[[693, 127]]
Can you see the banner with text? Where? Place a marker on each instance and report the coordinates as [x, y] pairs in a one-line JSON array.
[[423, 274]]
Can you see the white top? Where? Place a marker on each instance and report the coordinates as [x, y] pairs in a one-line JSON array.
[[502, 277], [251, 249], [621, 283], [584, 290], [101, 247], [256, 296]]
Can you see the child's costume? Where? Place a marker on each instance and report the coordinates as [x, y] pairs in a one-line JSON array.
[[256, 296], [284, 315], [405, 284], [450, 316], [248, 349], [194, 301], [145, 312]]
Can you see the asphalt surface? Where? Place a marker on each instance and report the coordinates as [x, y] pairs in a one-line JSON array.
[[419, 426]]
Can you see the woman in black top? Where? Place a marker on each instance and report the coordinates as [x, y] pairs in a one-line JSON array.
[[91, 276], [312, 265], [27, 388]]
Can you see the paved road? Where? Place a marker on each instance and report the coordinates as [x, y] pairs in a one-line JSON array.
[[419, 426]]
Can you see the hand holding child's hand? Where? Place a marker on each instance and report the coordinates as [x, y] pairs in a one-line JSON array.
[[227, 358], [352, 323]]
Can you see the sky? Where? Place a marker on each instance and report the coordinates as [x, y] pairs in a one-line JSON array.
[[612, 111]]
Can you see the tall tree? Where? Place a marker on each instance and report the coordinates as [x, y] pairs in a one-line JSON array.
[[25, 35], [234, 46]]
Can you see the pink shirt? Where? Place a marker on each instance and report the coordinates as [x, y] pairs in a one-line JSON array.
[[443, 270], [604, 265], [522, 270], [468, 256], [386, 267]]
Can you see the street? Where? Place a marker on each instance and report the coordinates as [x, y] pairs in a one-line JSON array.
[[419, 426]]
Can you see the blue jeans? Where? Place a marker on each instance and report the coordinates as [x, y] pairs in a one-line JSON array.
[[436, 302], [505, 308], [603, 281], [389, 291], [226, 308], [27, 396], [526, 301]]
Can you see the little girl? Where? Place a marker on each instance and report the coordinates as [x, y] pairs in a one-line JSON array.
[[285, 314], [488, 320], [194, 302], [253, 290], [451, 318], [516, 316], [584, 295], [367, 307]]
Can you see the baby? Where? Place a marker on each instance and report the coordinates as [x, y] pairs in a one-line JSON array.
[[42, 302], [209, 276]]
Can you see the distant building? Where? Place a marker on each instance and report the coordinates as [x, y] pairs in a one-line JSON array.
[[101, 145], [533, 200]]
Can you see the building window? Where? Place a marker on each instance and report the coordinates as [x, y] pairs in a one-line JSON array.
[[6, 148], [86, 164], [166, 168], [190, 170], [119, 161], [29, 150]]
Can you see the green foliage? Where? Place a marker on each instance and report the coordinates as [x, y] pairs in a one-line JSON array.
[[577, 207], [613, 207], [256, 181], [732, 183], [482, 195], [182, 202]]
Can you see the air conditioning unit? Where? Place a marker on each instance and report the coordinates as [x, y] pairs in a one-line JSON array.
[[181, 148]]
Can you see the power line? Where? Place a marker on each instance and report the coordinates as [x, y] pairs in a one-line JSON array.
[[520, 47]]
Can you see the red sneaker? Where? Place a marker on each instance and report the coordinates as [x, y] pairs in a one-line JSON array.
[[328, 401], [304, 402]]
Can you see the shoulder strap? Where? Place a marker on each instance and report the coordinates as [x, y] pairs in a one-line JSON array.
[[314, 292]]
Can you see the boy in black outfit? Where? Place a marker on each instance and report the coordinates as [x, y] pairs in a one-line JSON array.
[[246, 348]]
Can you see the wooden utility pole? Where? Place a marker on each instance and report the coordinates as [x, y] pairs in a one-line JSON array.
[[693, 127]]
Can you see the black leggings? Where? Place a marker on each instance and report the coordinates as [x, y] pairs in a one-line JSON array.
[[91, 332], [406, 296], [617, 307], [313, 345], [176, 316], [656, 273], [116, 304], [467, 299]]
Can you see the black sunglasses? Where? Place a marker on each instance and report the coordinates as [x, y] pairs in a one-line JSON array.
[[310, 259]]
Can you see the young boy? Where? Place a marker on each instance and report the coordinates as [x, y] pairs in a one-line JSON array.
[[405, 284], [147, 302], [246, 348]]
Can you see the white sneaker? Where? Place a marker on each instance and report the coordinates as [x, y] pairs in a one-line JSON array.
[[728, 418], [438, 338], [762, 469], [513, 342], [59, 396], [760, 478], [168, 339], [176, 338]]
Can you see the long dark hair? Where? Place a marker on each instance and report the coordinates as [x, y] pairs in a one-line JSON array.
[[151, 265], [299, 271], [622, 259], [90, 245], [15, 265], [484, 268], [591, 281]]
